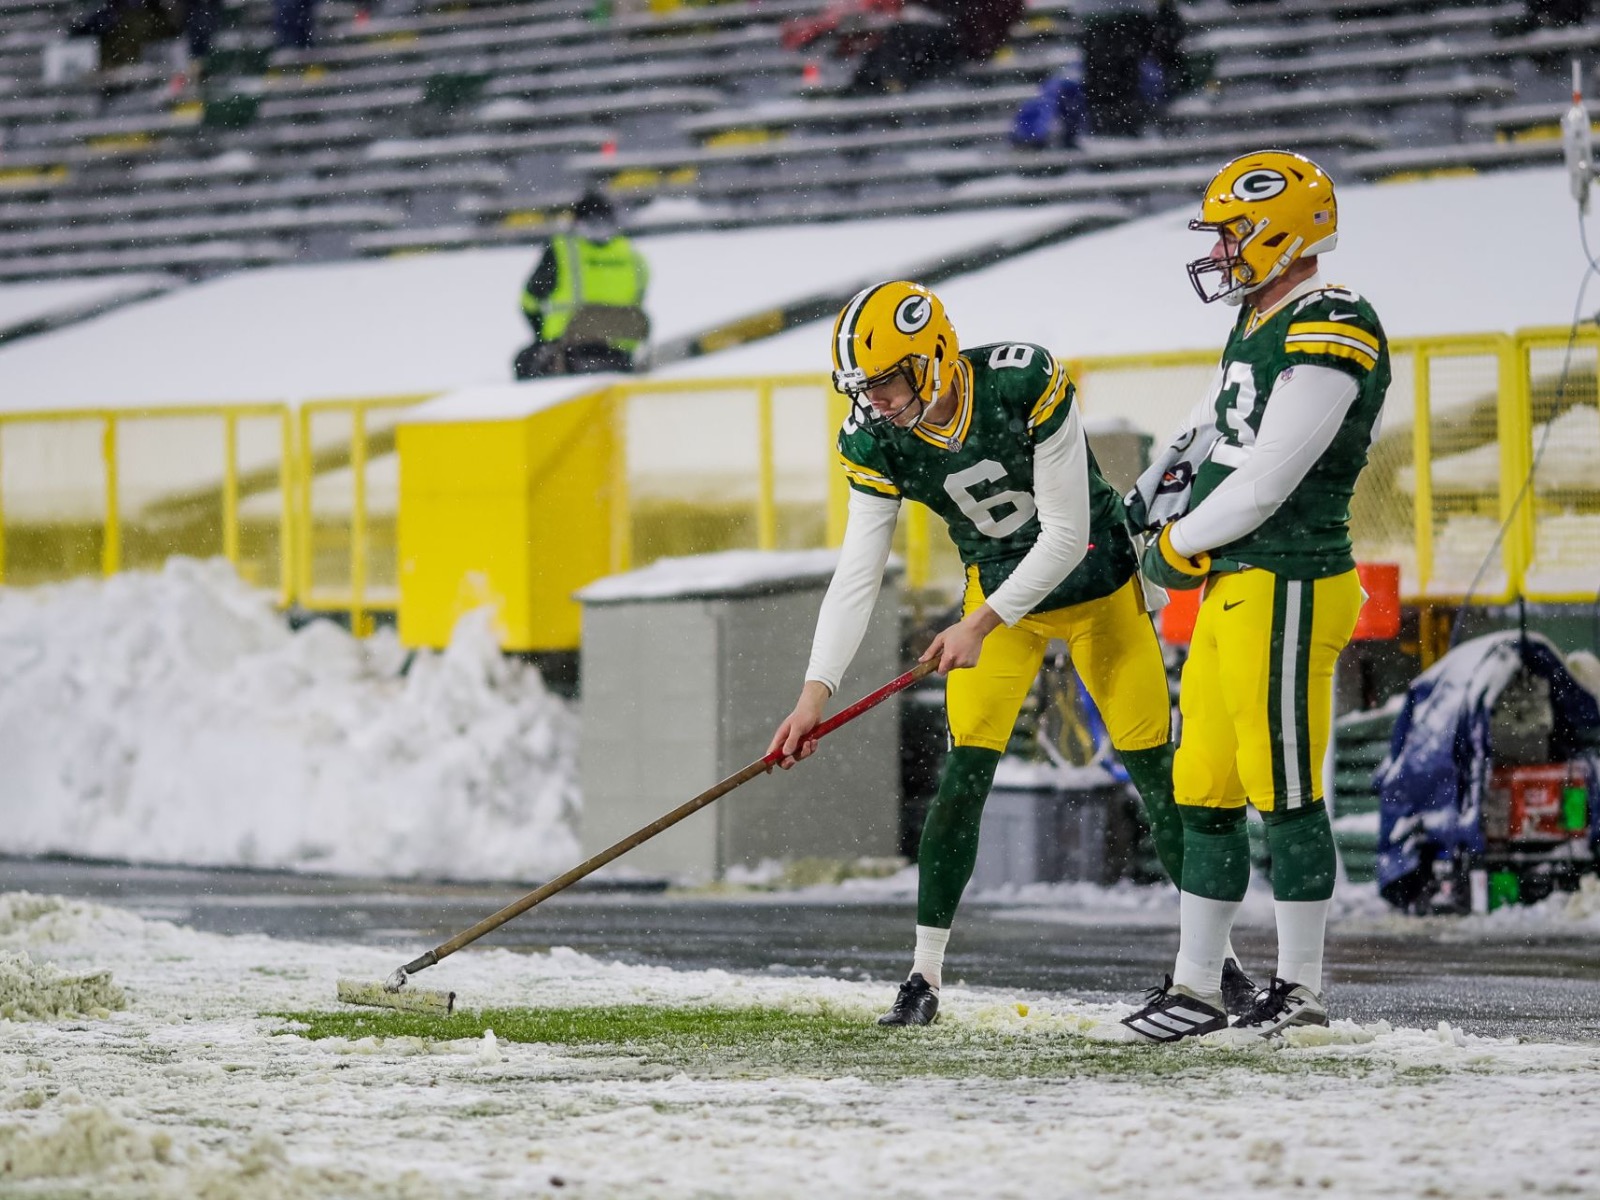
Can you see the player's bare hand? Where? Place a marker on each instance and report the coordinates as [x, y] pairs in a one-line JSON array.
[[790, 740], [959, 646]]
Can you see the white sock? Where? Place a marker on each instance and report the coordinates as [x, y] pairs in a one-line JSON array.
[[1301, 924], [1203, 928], [928, 959], [1227, 951]]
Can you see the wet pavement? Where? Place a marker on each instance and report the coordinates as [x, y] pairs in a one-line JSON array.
[[1536, 984]]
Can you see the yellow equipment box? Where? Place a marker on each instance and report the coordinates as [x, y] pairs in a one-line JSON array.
[[507, 497]]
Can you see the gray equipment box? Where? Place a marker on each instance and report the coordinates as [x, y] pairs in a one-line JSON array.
[[1043, 824], [688, 666]]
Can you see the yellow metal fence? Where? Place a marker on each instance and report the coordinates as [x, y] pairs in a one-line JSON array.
[[98, 491], [305, 501]]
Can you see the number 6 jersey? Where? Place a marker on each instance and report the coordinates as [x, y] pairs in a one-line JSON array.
[[977, 471], [1308, 537]]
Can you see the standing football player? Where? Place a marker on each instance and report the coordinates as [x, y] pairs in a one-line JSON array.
[[990, 440], [1292, 410]]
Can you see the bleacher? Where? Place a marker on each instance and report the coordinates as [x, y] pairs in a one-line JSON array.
[[474, 122]]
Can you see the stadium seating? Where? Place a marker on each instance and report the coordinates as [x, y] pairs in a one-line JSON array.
[[459, 124]]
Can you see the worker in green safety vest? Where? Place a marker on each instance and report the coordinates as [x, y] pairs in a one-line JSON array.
[[591, 264]]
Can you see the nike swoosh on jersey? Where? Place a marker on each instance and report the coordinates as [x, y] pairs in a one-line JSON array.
[[1338, 316], [1230, 605]]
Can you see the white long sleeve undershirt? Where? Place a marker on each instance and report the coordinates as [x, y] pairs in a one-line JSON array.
[[1061, 492], [1298, 426], [847, 604], [1061, 489]]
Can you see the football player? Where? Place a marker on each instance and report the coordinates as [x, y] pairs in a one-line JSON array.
[[1293, 408], [990, 440]]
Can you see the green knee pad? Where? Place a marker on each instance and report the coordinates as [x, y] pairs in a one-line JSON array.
[[1303, 859], [949, 846], [1151, 772], [1216, 852]]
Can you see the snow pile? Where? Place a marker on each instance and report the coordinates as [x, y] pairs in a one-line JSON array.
[[47, 922], [172, 717], [32, 991], [84, 1141]]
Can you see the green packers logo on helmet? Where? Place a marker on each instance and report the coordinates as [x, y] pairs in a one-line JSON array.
[[912, 314], [1259, 184]]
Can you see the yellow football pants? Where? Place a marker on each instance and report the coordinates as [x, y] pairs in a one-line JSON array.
[[1113, 646], [1257, 690]]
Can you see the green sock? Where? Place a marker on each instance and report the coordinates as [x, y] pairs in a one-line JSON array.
[[1303, 858], [949, 846], [1151, 772], [1216, 852]]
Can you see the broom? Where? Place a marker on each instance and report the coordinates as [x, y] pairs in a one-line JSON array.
[[393, 992]]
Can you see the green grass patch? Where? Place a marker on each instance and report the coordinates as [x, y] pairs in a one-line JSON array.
[[771, 1042]]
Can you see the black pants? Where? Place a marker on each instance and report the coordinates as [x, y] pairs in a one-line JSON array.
[[1557, 13], [1113, 47], [539, 360], [200, 25], [907, 55], [294, 23]]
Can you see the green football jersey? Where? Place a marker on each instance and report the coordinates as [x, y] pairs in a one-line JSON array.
[[1309, 536], [977, 471]]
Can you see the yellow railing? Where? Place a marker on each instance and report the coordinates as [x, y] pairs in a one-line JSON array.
[[305, 501], [768, 480], [1558, 442], [345, 505], [99, 490]]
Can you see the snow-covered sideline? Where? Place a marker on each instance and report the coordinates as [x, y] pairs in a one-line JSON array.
[[729, 571], [194, 1091], [174, 718]]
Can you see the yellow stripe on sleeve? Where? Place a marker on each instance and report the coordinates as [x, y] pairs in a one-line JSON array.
[[1051, 399], [1336, 349], [871, 480], [1339, 328]]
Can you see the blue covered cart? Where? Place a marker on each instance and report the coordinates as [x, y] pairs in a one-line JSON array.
[[1491, 781]]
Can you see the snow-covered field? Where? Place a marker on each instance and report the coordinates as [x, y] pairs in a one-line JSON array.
[[194, 1089]]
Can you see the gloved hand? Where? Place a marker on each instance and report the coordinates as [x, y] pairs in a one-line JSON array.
[[1165, 567]]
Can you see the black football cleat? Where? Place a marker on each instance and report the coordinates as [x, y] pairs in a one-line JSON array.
[[1282, 1005], [915, 1004], [1172, 1012], [1239, 991]]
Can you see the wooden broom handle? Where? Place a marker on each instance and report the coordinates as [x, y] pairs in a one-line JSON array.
[[715, 792]]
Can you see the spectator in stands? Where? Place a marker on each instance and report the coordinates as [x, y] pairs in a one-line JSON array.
[[1119, 41], [852, 25], [591, 266], [125, 26], [1167, 58], [933, 39], [294, 23], [200, 26], [1554, 14], [1557, 13], [1060, 113]]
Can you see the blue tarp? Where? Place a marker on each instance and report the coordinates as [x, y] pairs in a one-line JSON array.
[[1432, 782]]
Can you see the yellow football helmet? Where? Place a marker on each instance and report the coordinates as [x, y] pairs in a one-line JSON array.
[[1271, 208], [889, 329]]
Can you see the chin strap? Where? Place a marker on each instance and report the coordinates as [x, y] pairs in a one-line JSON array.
[[1280, 264]]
